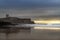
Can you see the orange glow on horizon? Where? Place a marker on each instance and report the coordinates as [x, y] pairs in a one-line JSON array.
[[46, 21]]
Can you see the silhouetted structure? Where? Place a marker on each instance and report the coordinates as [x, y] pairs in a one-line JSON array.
[[5, 22]]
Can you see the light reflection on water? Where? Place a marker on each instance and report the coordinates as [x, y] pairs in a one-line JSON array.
[[48, 28], [43, 33]]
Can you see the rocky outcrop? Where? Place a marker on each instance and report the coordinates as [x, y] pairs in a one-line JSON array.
[[16, 20], [5, 22]]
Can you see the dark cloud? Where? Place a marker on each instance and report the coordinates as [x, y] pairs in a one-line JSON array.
[[29, 12], [28, 7], [29, 3]]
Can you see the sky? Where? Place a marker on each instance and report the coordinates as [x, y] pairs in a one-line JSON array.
[[29, 3], [29, 7]]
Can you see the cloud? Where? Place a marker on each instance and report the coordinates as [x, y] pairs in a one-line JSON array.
[[29, 3]]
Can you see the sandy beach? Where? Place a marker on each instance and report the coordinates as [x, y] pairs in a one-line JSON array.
[[35, 34]]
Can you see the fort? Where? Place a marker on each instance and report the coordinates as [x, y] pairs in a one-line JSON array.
[[13, 21]]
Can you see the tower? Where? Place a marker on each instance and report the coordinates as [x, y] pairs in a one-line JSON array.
[[7, 15]]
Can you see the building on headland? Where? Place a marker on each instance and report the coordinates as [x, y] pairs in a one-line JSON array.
[[17, 20], [13, 21]]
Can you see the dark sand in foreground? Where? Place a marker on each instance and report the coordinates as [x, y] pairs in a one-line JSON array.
[[39, 34]]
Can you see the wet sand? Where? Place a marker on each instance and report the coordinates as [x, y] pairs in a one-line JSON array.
[[35, 34]]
